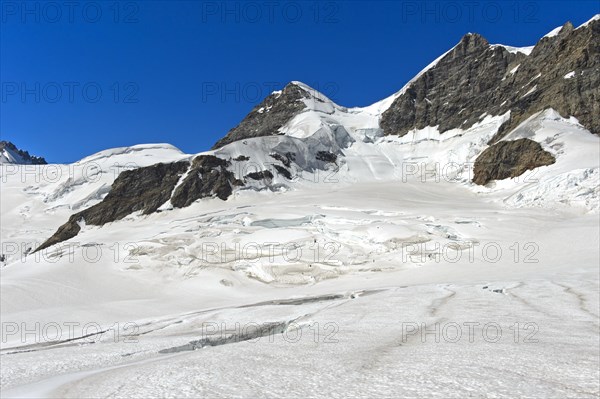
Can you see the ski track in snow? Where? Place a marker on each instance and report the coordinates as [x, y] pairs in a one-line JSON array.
[[368, 264]]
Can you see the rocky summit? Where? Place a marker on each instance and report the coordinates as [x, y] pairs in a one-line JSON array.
[[10, 154], [475, 79], [269, 116]]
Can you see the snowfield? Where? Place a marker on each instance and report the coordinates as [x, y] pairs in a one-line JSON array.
[[371, 286], [387, 273]]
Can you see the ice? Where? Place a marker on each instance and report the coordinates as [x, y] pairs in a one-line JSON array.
[[553, 32], [524, 50], [585, 24], [332, 282]]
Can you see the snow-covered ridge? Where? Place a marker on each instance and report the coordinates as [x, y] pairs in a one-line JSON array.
[[573, 181], [523, 50], [10, 154], [142, 153], [553, 32], [585, 24], [306, 285], [381, 106]]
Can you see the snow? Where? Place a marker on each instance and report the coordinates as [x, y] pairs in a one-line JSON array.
[[9, 156], [361, 270], [588, 22], [524, 50], [380, 106], [573, 181], [534, 88], [345, 258], [569, 75], [362, 305], [515, 69], [553, 32]]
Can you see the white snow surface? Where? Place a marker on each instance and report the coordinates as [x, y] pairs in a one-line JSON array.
[[385, 273], [8, 156], [554, 32], [351, 266], [585, 24], [511, 49]]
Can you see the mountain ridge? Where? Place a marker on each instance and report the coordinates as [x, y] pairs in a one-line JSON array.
[[298, 131], [11, 154]]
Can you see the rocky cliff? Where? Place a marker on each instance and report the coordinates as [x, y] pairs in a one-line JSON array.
[[475, 78], [269, 116], [9, 153], [507, 159], [296, 129]]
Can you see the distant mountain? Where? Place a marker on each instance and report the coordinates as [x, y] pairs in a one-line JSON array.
[[492, 112], [9, 153]]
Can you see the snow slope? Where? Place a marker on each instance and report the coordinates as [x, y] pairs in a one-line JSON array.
[[391, 257], [11, 155], [384, 273], [368, 253]]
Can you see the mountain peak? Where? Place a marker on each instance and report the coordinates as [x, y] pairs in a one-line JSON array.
[[476, 77], [590, 21], [473, 40], [271, 114], [10, 154], [312, 92]]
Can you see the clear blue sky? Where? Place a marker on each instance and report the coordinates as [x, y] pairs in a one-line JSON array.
[[80, 78]]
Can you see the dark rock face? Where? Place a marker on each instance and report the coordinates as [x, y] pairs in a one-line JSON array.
[[507, 159], [64, 232], [268, 116], [286, 159], [207, 177], [450, 94], [326, 156], [143, 189], [283, 171], [476, 78], [262, 175], [29, 159], [146, 189]]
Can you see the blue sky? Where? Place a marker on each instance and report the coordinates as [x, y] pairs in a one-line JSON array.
[[84, 76]]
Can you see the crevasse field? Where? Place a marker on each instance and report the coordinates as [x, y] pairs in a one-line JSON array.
[[388, 275]]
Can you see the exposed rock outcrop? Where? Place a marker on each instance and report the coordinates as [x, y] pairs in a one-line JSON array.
[[146, 189], [9, 153], [143, 189], [326, 156], [472, 80], [283, 171], [262, 175], [455, 92], [269, 116], [207, 177], [506, 159], [475, 78]]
